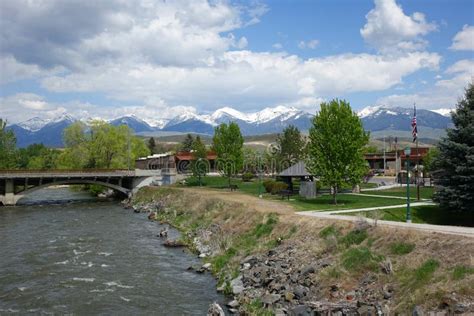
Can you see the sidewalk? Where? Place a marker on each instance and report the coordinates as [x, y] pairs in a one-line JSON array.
[[450, 230], [385, 196]]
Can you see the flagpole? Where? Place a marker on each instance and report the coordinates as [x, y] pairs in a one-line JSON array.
[[417, 182]]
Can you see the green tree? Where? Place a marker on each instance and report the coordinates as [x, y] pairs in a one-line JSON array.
[[100, 145], [199, 164], [454, 166], [292, 147], [7, 147], [187, 144], [430, 158], [337, 141], [228, 143], [37, 156], [151, 145]]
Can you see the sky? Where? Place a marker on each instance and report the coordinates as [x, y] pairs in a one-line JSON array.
[[157, 59]]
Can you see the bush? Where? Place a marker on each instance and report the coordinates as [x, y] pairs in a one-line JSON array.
[[268, 185], [247, 176], [279, 186]]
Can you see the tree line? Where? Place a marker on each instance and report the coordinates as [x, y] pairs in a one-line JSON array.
[[98, 145]]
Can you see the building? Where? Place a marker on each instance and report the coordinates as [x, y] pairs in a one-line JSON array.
[[392, 162], [157, 161], [181, 161], [307, 181]]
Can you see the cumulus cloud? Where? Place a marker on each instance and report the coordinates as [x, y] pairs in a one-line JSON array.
[[388, 28], [444, 94], [464, 40]]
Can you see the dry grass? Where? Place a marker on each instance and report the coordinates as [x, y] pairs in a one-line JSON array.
[[238, 216]]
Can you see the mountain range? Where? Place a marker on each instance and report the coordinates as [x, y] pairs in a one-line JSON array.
[[393, 121]]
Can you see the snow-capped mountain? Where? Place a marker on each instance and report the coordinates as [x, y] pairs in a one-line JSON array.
[[396, 118], [378, 119], [34, 124], [444, 112]]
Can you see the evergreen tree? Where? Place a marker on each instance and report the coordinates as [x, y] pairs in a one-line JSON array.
[[151, 145], [228, 143], [454, 175], [187, 144], [337, 141]]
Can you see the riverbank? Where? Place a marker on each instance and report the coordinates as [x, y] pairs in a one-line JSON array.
[[273, 261]]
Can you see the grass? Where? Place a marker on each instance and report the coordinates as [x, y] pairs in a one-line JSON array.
[[250, 187], [426, 214], [425, 192], [424, 273], [329, 231], [460, 272], [401, 248], [360, 259], [344, 201], [354, 237]]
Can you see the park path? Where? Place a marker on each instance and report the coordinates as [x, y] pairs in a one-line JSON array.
[[450, 230], [365, 209], [384, 196]]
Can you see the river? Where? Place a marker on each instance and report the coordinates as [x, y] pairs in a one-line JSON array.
[[90, 257]]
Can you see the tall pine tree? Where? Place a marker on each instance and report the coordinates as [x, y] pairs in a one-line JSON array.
[[454, 175]]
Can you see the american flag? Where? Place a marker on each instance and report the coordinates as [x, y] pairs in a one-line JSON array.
[[414, 129]]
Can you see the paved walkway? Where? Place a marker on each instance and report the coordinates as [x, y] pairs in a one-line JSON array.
[[450, 230], [385, 196], [365, 209]]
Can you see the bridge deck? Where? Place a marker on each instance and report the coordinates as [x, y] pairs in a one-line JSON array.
[[67, 174]]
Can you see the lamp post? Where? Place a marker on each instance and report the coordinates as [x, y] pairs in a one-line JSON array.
[[407, 156]]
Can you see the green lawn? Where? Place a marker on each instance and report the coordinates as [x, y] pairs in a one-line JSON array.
[[428, 214], [323, 202], [425, 192], [344, 201]]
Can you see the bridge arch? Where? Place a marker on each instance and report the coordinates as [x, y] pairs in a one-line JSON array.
[[112, 186]]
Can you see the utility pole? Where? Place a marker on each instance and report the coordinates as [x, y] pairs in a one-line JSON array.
[[384, 159]]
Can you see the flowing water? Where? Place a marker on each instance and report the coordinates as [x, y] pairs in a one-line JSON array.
[[93, 257]]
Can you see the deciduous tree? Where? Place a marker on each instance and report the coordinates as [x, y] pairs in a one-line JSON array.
[[337, 141]]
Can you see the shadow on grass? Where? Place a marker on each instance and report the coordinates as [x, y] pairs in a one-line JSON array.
[[431, 214]]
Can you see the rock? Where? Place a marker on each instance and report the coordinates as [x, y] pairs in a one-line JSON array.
[[233, 304], [308, 270], [163, 233], [173, 243], [386, 266], [246, 266], [152, 216], [366, 310], [270, 299], [252, 260], [233, 310], [300, 310], [350, 296], [215, 310], [387, 291], [207, 266], [202, 255], [300, 292], [280, 312], [220, 289], [460, 308], [289, 296], [237, 285], [418, 311]]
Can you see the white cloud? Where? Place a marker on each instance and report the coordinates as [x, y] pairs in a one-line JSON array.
[[388, 28], [464, 40], [11, 70], [444, 94], [245, 79], [277, 46], [311, 44]]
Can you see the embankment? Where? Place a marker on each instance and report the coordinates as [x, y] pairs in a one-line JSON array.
[[273, 261]]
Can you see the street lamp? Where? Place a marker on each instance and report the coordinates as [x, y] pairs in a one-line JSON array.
[[407, 156]]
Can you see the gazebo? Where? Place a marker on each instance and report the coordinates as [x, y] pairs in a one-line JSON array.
[[307, 180]]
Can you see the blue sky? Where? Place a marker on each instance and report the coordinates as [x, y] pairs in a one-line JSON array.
[[160, 59]]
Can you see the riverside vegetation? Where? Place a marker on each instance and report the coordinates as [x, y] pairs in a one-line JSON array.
[[271, 261]]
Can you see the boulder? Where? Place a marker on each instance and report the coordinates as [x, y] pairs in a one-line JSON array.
[[270, 299], [233, 304], [237, 285], [174, 243], [215, 310]]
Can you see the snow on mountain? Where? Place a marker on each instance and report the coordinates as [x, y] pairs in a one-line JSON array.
[[227, 112], [443, 112], [368, 110], [34, 124], [269, 114]]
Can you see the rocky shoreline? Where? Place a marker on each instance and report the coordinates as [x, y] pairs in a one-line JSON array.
[[282, 281]]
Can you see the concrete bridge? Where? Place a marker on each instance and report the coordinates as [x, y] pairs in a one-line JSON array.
[[15, 184]]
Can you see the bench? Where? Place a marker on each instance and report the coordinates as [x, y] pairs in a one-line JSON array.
[[233, 187], [285, 193]]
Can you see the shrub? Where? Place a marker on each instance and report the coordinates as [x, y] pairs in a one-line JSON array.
[[267, 227], [401, 248], [268, 185], [247, 176], [279, 186]]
